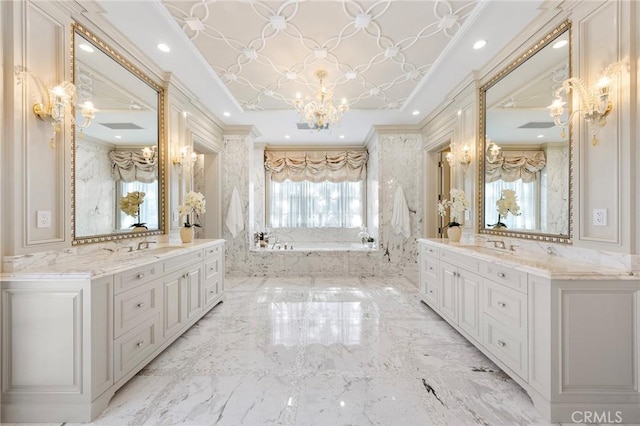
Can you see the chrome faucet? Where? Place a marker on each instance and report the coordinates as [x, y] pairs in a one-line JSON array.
[[145, 244], [498, 244], [551, 251]]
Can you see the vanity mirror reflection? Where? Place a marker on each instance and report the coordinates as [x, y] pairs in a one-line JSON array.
[[121, 152], [522, 153]]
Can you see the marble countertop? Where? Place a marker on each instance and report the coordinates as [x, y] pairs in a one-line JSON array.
[[102, 262], [541, 264]]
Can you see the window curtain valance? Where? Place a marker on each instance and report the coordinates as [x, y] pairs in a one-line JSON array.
[[316, 166], [510, 166], [131, 166]]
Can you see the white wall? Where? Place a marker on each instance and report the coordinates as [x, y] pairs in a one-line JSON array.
[[604, 176], [36, 175]]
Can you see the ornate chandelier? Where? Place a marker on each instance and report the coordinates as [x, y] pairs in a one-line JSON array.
[[320, 113]]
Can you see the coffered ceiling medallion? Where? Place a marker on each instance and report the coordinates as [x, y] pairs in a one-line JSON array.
[[375, 53]]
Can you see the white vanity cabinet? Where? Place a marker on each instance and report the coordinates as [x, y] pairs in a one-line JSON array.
[[570, 336], [70, 339]]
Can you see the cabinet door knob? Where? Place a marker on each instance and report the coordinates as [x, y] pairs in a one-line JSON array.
[[501, 274], [502, 304], [211, 291], [140, 343], [501, 343], [140, 276], [431, 291], [140, 305]]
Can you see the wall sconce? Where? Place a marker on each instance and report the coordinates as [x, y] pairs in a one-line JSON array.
[[595, 104], [493, 151], [52, 108], [186, 155], [462, 158], [150, 154]]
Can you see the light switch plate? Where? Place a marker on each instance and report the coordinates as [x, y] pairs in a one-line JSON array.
[[467, 215], [599, 217], [43, 219]]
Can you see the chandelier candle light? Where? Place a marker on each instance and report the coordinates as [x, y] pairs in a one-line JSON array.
[[320, 113], [457, 206], [194, 202]]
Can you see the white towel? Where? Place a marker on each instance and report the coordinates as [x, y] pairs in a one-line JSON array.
[[400, 218], [235, 221]]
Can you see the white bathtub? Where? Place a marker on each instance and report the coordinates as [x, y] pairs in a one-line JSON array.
[[308, 246]]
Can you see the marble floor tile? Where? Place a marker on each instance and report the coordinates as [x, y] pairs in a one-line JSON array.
[[321, 351]]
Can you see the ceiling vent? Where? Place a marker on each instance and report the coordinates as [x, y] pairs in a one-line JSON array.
[[307, 126], [121, 126], [537, 125]]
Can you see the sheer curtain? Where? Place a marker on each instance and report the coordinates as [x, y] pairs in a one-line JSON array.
[[308, 204], [527, 193]]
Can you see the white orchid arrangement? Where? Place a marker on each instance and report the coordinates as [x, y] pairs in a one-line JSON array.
[[508, 203], [457, 206], [130, 204], [194, 202]]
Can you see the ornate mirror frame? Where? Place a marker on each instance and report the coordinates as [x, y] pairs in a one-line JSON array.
[[119, 59], [482, 148]]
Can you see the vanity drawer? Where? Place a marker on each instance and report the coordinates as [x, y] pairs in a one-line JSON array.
[[211, 292], [137, 276], [212, 268], [134, 306], [507, 306], [431, 292], [132, 348], [515, 279], [213, 251], [468, 263], [429, 267], [178, 262], [429, 251], [508, 348]]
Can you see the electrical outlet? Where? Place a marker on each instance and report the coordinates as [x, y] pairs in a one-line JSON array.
[[467, 215], [43, 219], [175, 217], [599, 217]]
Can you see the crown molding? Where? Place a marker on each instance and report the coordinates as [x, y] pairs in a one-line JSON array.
[[241, 131]]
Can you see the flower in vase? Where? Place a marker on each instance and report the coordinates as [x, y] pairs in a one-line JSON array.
[[194, 202], [130, 204], [457, 206], [508, 203]]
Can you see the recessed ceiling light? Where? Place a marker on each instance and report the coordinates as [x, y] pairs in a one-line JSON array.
[[559, 44], [163, 48], [540, 136], [416, 112], [287, 136], [86, 47], [250, 54], [351, 75], [341, 136], [292, 75], [226, 114], [320, 53], [479, 44], [118, 137]]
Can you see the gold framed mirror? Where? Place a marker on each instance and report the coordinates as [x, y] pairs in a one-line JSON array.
[[525, 161], [121, 153]]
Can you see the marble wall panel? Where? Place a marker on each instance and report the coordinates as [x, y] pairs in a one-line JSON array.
[[557, 187], [96, 197], [400, 166], [199, 184]]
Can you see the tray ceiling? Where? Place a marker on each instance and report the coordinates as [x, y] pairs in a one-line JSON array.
[[375, 53]]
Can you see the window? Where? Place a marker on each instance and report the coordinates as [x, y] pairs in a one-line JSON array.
[[527, 193], [308, 204], [315, 188]]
